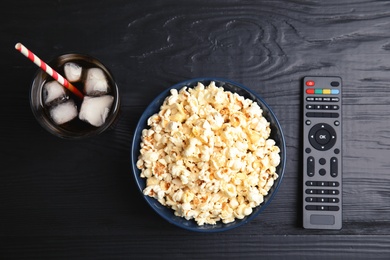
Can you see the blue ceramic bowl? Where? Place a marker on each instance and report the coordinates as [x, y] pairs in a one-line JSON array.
[[276, 134]]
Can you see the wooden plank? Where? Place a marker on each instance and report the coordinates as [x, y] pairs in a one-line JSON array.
[[217, 245]]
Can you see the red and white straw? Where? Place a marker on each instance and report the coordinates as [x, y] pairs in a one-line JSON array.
[[30, 55]]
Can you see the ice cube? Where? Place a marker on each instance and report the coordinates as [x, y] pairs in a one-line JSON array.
[[96, 83], [72, 71], [94, 110], [63, 112], [53, 91]]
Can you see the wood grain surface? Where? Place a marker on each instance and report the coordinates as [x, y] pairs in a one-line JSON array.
[[62, 199]]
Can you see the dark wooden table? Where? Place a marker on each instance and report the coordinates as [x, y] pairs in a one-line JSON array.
[[78, 199]]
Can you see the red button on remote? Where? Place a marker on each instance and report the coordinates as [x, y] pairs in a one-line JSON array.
[[310, 91], [310, 83]]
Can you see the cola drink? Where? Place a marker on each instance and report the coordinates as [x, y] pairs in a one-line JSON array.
[[66, 115]]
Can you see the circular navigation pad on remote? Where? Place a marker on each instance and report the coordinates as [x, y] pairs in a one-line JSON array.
[[322, 137]]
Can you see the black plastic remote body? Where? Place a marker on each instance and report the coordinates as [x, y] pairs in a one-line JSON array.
[[322, 153]]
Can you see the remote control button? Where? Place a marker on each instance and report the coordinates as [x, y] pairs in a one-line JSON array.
[[319, 99], [326, 91], [322, 114], [311, 191], [309, 106], [322, 200], [311, 199], [335, 115], [335, 91], [334, 99], [322, 161], [311, 207], [322, 172], [313, 114], [334, 184], [318, 91], [310, 91], [323, 192], [310, 99], [333, 208], [322, 137], [333, 167], [310, 83], [336, 123], [308, 122], [311, 183], [310, 166], [335, 83], [334, 200], [308, 150], [322, 183], [326, 99], [333, 192], [317, 219], [336, 151]]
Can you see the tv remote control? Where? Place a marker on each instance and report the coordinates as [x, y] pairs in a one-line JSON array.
[[322, 153]]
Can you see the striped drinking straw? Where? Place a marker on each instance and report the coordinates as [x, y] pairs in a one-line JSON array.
[[26, 52]]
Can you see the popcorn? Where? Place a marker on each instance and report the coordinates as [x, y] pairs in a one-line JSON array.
[[207, 155]]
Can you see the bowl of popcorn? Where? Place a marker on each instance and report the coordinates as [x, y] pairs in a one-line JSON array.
[[208, 155]]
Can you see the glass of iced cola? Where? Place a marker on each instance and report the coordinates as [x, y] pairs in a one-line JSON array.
[[66, 115]]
